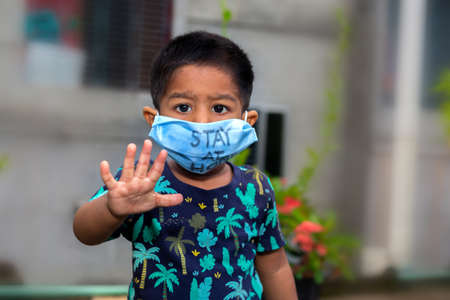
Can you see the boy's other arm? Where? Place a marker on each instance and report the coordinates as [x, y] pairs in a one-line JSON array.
[[133, 193], [94, 223], [276, 275]]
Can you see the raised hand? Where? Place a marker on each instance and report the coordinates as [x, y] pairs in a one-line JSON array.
[[134, 192]]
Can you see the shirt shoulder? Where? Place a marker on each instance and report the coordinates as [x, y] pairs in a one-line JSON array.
[[250, 174]]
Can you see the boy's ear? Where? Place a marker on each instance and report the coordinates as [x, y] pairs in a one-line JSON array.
[[149, 114], [252, 117]]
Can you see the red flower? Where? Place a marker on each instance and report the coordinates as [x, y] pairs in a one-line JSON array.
[[303, 239], [309, 227], [289, 205], [306, 247], [321, 249]]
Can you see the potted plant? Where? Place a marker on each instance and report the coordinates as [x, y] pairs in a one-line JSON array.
[[315, 249]]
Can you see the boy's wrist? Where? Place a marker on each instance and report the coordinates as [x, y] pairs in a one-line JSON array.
[[118, 218]]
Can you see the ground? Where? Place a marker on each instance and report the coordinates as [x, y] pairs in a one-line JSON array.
[[427, 293]]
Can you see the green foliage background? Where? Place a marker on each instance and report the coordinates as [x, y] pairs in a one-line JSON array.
[[3, 161], [442, 88]]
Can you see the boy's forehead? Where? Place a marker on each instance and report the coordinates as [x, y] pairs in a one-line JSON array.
[[193, 79], [200, 71]]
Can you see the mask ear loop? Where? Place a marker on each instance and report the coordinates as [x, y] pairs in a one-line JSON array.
[[245, 118]]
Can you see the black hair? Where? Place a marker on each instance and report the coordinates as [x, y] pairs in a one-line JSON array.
[[202, 48]]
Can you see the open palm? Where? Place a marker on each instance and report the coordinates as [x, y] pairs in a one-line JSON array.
[[134, 191]]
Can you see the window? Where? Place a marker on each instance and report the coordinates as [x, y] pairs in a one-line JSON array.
[[268, 153], [108, 43], [436, 49], [121, 39]]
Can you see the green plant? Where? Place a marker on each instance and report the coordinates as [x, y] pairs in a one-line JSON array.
[[316, 249], [314, 246], [442, 87], [226, 16], [3, 161]]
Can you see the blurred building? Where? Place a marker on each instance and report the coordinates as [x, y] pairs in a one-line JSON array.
[[74, 81]]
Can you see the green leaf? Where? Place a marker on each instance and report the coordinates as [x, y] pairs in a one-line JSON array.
[[318, 276], [194, 289], [226, 15], [3, 161], [137, 227], [241, 158], [226, 261]]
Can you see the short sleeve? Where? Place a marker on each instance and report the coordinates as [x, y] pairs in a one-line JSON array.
[[270, 237], [125, 228]]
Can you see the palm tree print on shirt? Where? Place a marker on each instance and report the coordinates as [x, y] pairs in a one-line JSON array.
[[177, 245], [238, 292], [141, 255], [150, 233], [272, 217], [258, 176], [226, 225], [167, 277], [162, 186], [131, 291], [137, 227], [273, 243], [248, 200]]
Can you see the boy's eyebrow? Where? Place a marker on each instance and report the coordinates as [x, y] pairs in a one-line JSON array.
[[185, 95], [223, 96]]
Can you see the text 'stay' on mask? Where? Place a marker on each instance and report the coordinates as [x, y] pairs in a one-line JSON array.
[[200, 147]]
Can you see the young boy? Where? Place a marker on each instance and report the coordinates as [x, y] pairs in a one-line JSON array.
[[200, 227]]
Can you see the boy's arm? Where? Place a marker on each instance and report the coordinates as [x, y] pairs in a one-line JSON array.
[[94, 223], [133, 193], [276, 275]]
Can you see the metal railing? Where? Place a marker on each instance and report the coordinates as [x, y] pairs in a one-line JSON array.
[[61, 291]]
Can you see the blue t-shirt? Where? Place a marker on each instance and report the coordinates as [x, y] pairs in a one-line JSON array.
[[205, 247]]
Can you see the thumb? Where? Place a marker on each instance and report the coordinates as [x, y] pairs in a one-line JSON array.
[[167, 199]]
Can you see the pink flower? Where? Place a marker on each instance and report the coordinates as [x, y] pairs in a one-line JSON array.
[[306, 247], [289, 205], [309, 227], [303, 239], [283, 181], [321, 249]]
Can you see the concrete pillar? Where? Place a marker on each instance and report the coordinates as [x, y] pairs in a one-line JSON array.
[[405, 133]]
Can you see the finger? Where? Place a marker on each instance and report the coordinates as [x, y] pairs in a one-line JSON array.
[[128, 163], [167, 199], [106, 175], [157, 167], [144, 159]]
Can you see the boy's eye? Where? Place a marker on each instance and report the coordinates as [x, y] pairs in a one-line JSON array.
[[219, 109], [183, 108]]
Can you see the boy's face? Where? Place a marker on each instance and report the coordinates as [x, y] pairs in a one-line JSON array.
[[201, 94]]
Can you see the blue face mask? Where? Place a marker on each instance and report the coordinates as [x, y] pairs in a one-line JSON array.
[[200, 147]]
